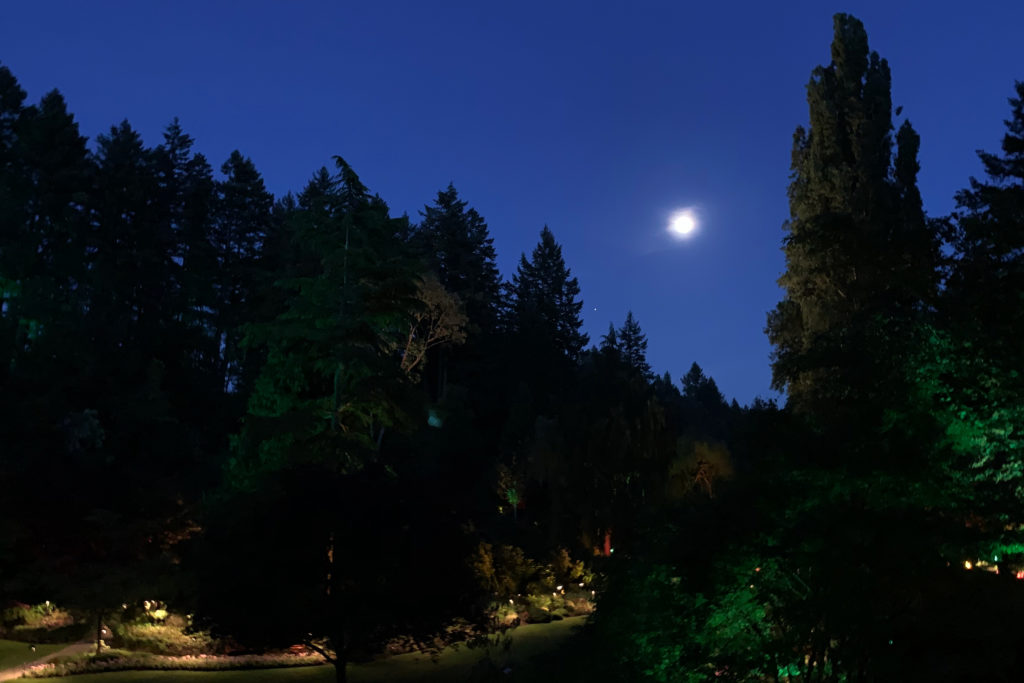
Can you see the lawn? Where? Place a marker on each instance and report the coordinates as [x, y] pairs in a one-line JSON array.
[[455, 664], [13, 653]]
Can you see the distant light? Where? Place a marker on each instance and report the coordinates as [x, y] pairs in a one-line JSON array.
[[967, 564], [558, 588], [682, 224], [581, 584], [511, 601]]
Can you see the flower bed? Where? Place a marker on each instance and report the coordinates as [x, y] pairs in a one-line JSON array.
[[119, 660]]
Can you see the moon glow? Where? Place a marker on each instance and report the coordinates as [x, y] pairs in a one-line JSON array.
[[682, 224]]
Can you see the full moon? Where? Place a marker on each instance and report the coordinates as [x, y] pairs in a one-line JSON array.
[[682, 224]]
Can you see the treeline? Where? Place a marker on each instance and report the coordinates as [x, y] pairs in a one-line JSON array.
[[300, 417], [878, 536], [306, 420]]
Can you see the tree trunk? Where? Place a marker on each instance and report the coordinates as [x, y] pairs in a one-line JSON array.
[[340, 673], [99, 631]]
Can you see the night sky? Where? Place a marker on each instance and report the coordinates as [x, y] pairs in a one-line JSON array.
[[598, 119]]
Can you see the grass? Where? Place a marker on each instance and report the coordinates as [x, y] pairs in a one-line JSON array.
[[14, 653], [529, 643]]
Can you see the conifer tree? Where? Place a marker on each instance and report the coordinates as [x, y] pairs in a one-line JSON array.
[[610, 341], [546, 300], [242, 221], [334, 384], [633, 343], [187, 190], [458, 248]]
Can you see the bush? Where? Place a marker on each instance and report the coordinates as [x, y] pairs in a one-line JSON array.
[[169, 638], [579, 606]]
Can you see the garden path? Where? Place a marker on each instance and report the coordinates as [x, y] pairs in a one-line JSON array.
[[73, 649]]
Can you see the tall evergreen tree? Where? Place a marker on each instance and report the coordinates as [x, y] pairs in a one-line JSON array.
[[546, 304], [194, 372], [45, 176], [459, 249], [610, 341], [242, 221], [187, 190], [699, 387], [860, 258], [633, 343], [334, 385]]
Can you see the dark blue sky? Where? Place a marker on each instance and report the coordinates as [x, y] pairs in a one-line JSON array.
[[596, 118]]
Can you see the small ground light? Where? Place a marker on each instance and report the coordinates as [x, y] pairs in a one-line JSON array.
[[967, 564], [581, 584]]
